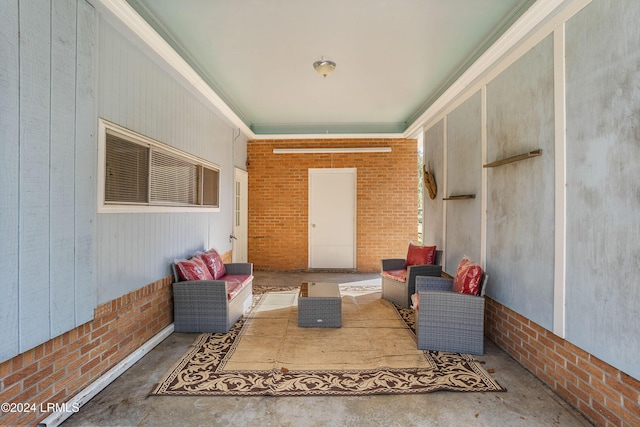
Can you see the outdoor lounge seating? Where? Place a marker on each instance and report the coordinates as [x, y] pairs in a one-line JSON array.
[[448, 320], [399, 274], [209, 296]]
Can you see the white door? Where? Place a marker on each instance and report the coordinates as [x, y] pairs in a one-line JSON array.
[[332, 218], [240, 216]]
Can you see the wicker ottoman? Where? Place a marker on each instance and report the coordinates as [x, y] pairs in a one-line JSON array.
[[319, 305]]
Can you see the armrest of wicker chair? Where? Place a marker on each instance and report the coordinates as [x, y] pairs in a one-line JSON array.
[[400, 263], [414, 271], [393, 264], [245, 268], [427, 283]]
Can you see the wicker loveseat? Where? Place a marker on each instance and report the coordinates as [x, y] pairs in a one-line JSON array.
[[211, 305], [399, 279]]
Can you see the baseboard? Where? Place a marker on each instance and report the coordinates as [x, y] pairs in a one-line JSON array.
[[69, 408]]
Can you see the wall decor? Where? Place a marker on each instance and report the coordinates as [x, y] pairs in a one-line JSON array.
[[430, 182]]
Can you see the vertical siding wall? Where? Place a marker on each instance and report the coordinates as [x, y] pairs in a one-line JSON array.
[[47, 170], [387, 200], [138, 92], [584, 346], [81, 290]]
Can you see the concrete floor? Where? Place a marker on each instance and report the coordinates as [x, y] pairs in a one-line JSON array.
[[125, 402]]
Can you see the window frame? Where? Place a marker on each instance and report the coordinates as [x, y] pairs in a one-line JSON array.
[[134, 137]]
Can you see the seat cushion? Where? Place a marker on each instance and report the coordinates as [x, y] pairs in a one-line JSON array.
[[397, 275], [420, 255], [468, 277], [235, 283], [193, 269]]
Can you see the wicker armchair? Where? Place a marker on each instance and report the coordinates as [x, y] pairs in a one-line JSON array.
[[399, 292], [449, 321]]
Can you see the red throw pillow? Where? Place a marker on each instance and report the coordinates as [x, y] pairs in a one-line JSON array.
[[420, 255], [214, 263], [193, 269], [468, 276]]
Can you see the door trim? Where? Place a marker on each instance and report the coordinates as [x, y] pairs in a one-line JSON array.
[[354, 172], [240, 216]]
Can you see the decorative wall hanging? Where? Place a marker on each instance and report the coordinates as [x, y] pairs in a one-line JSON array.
[[460, 197], [430, 182], [534, 153]]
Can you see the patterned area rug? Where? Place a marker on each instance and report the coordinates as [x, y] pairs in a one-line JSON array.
[[374, 352]]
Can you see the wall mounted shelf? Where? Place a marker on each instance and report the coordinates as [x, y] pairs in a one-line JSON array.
[[530, 154], [460, 197]]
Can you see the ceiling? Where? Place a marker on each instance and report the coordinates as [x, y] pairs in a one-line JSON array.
[[394, 57]]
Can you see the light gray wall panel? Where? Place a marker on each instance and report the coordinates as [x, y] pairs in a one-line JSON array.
[[62, 169], [137, 244], [434, 160], [35, 98], [520, 202], [139, 93], [9, 177], [45, 106], [86, 147], [603, 182], [464, 176]]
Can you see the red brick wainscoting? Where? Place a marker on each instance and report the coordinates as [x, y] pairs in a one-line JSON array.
[[604, 394], [387, 200], [54, 372]]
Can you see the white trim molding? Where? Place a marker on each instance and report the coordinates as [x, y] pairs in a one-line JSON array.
[[102, 207], [559, 288], [76, 402]]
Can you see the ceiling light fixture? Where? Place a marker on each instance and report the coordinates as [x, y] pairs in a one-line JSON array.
[[324, 67]]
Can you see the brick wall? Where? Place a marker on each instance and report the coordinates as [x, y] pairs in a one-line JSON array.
[[57, 370], [387, 200], [604, 394]]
